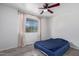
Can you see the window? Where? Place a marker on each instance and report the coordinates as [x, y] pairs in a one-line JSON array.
[[31, 25]]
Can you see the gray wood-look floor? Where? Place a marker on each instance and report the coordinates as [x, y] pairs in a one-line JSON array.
[[31, 51]]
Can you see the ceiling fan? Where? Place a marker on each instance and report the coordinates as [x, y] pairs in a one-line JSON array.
[[46, 7]]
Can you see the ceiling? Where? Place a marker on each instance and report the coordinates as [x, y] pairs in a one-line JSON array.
[[34, 9], [30, 8]]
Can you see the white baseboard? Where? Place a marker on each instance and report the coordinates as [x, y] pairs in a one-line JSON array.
[[73, 46], [7, 48]]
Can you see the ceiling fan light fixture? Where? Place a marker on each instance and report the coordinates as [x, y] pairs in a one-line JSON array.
[[46, 7], [45, 10]]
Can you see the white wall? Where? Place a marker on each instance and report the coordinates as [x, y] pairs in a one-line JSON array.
[[44, 29], [31, 38], [8, 27], [65, 23]]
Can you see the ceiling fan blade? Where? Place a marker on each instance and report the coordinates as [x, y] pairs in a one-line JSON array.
[[42, 12], [50, 11], [54, 5], [46, 5]]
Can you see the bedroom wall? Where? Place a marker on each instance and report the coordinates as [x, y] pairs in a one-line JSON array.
[[32, 37], [65, 23], [8, 27], [44, 29]]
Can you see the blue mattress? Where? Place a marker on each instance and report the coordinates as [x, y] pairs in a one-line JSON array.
[[53, 47]]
